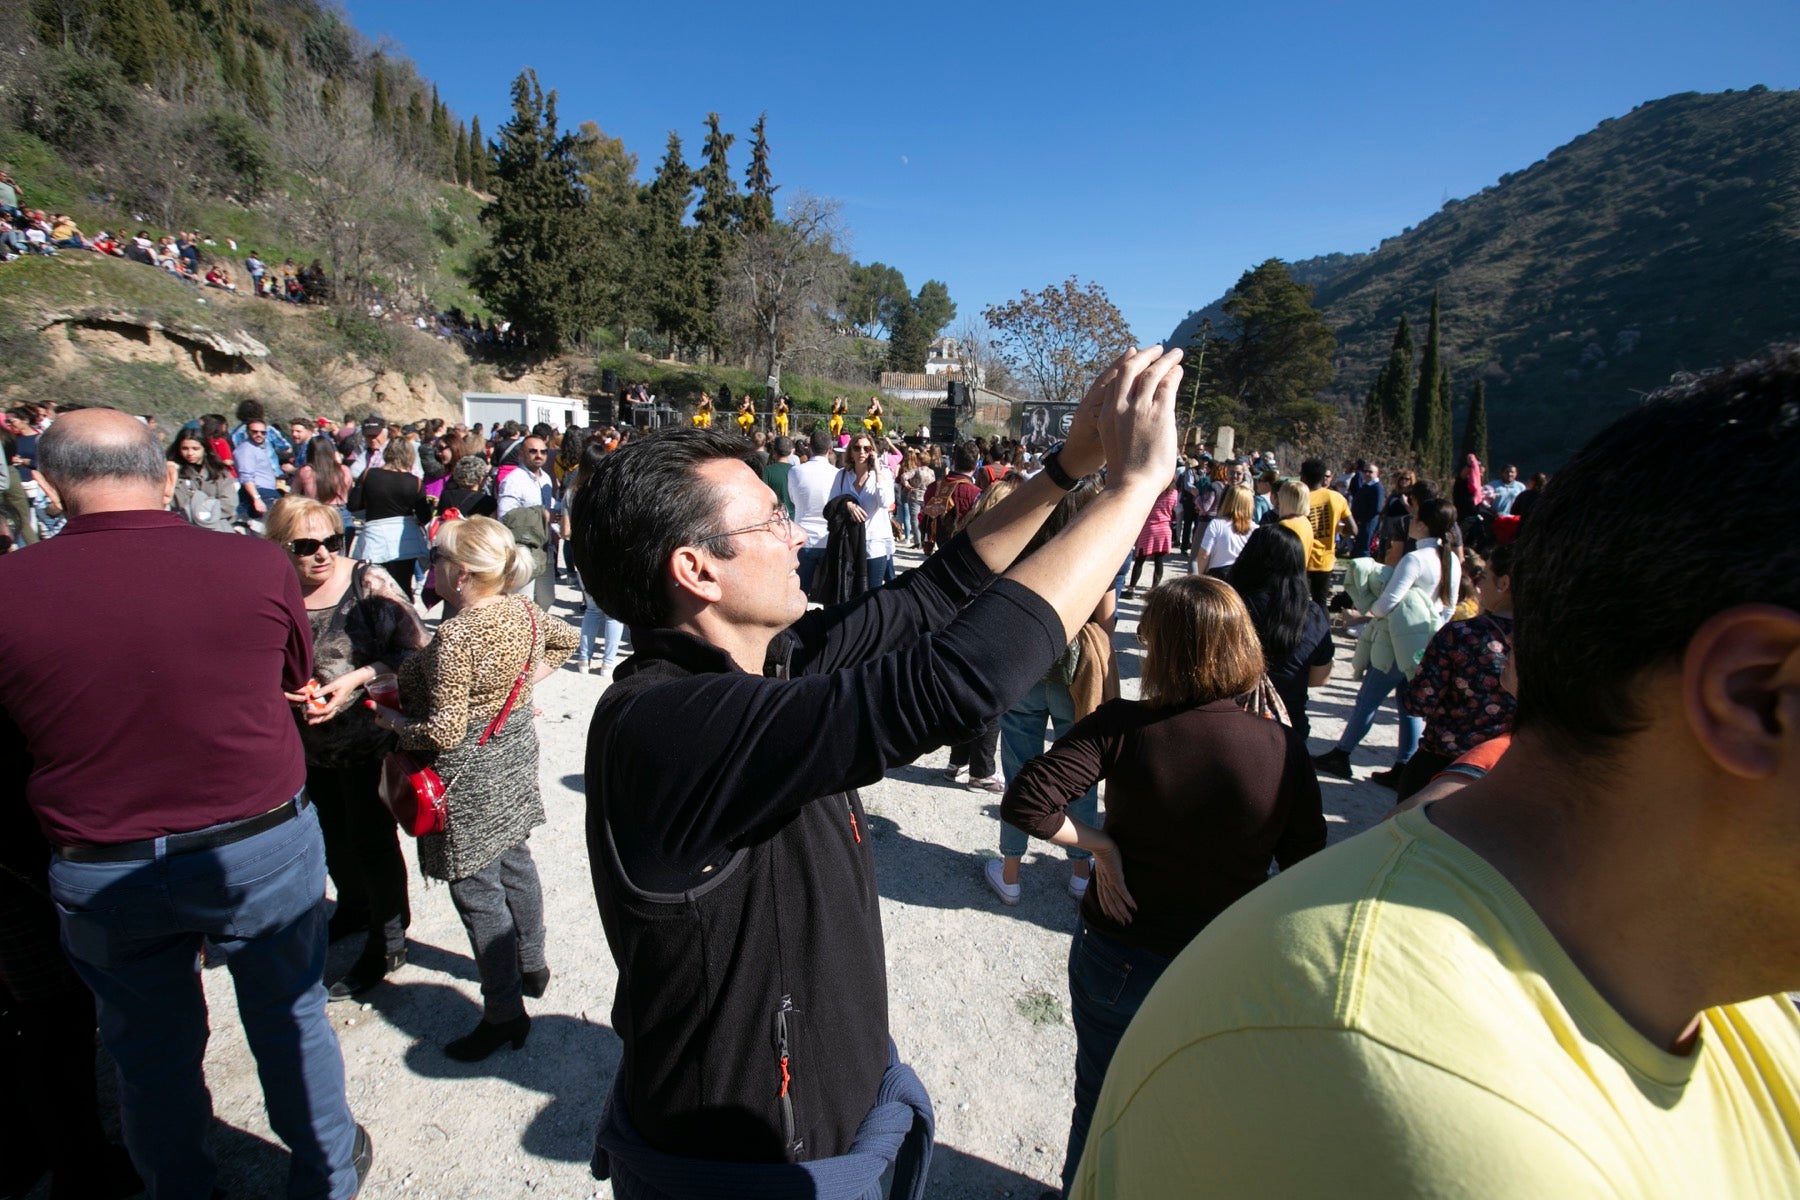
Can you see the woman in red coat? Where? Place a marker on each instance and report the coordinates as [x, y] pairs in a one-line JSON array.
[[1155, 541]]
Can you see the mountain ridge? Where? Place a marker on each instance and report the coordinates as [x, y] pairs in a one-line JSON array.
[[1662, 241]]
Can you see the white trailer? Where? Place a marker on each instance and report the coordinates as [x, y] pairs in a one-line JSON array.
[[489, 409]]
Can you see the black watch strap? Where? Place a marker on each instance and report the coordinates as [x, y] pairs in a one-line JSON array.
[[1054, 469]]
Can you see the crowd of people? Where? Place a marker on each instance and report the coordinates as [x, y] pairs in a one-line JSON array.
[[1589, 861]]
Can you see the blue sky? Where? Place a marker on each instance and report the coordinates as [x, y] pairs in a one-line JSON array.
[[1157, 150]]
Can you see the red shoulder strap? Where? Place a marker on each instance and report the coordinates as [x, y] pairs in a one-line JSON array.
[[530, 653]]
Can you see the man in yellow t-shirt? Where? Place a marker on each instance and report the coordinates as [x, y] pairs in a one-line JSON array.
[[1329, 510], [1567, 978]]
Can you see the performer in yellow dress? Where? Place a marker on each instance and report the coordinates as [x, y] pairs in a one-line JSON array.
[[872, 422], [839, 406], [781, 417], [746, 417], [703, 412]]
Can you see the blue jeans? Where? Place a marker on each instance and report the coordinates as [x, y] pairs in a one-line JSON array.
[[1376, 687], [1108, 982], [1022, 738], [881, 570], [909, 520], [134, 931], [590, 626]]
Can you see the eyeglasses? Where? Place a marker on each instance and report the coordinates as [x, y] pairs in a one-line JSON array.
[[254, 430], [779, 524], [307, 547]]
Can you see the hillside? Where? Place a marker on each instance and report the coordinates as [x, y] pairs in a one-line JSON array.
[[1663, 241]]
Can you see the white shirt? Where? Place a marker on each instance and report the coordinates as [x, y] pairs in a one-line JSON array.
[[523, 489], [809, 487], [1222, 543], [876, 497], [1420, 569]]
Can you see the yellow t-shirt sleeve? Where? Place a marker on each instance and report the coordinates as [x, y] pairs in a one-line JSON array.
[[1316, 1112]]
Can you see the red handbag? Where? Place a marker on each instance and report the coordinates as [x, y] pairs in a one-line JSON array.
[[413, 791]]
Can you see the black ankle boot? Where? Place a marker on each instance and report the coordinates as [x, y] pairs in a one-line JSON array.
[[1334, 762], [488, 1037], [535, 983], [365, 974]]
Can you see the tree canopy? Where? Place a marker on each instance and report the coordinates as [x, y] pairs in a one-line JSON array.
[[1058, 339]]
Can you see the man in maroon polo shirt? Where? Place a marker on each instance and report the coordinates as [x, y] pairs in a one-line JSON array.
[[170, 783]]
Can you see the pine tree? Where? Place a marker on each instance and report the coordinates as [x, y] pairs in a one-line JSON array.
[[381, 110], [479, 160], [538, 269], [1475, 431], [1279, 358], [460, 164], [1427, 437], [759, 205]]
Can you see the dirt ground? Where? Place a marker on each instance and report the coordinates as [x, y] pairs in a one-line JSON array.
[[978, 995]]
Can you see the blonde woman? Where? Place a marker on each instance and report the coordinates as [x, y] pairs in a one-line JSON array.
[[362, 627], [1225, 535], [1293, 504], [486, 658]]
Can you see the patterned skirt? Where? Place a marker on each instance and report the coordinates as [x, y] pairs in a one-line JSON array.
[[492, 802]]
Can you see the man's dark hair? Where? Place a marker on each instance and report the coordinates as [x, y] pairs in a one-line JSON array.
[[1605, 589], [70, 459], [642, 503], [250, 409], [542, 430], [783, 446], [1312, 472], [820, 441], [964, 458]]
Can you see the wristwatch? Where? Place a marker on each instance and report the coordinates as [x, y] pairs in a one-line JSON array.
[[1054, 469]]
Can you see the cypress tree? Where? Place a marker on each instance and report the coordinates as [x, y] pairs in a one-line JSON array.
[[1475, 431], [716, 218], [380, 107], [1444, 456], [670, 253], [418, 127], [256, 83], [1428, 439], [1391, 397], [460, 165], [759, 206], [442, 149], [478, 157]]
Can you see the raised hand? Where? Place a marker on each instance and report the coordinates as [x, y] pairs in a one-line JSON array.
[[1136, 418]]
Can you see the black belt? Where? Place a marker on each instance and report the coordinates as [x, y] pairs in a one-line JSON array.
[[183, 843]]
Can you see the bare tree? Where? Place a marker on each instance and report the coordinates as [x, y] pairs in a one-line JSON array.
[[1059, 338], [358, 198], [978, 352], [782, 282]]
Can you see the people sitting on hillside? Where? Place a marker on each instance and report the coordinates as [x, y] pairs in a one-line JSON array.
[[66, 234], [219, 276]]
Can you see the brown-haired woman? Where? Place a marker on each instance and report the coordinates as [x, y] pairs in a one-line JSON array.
[[362, 627], [1200, 796]]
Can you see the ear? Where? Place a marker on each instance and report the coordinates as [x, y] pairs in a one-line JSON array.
[[691, 571], [1741, 689]]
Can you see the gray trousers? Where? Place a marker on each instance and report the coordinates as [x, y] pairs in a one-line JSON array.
[[502, 907]]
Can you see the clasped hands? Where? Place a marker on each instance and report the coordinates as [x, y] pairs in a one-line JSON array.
[[1126, 421]]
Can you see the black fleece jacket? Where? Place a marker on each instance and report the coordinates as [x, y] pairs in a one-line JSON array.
[[731, 859]]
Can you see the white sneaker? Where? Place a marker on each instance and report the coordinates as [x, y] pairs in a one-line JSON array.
[[1078, 885], [993, 783], [1008, 892], [957, 774]]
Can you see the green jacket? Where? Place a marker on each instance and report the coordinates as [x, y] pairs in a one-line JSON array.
[[1400, 637]]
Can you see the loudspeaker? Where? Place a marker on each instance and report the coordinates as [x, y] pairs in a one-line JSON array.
[[957, 396], [602, 410], [609, 381], [943, 422]]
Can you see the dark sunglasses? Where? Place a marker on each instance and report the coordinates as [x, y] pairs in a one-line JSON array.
[[307, 547]]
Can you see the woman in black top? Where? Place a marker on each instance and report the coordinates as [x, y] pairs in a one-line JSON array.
[[1200, 797], [1270, 574], [393, 509]]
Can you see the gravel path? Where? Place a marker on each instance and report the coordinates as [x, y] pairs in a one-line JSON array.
[[978, 996]]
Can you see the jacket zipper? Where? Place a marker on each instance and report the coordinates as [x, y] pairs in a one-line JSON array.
[[782, 1059]]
